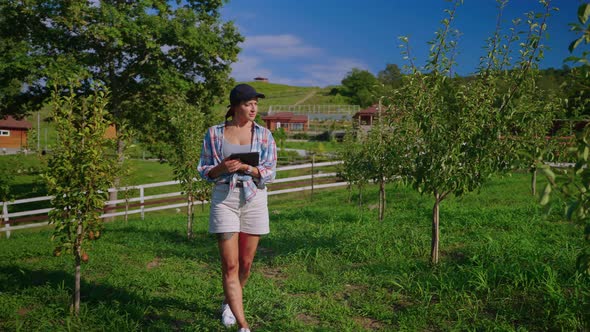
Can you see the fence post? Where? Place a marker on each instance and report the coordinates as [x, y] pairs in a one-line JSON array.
[[312, 163], [141, 201], [5, 215]]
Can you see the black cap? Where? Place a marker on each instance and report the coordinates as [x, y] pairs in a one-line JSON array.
[[243, 92]]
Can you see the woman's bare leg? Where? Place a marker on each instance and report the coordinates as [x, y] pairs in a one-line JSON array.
[[248, 244], [230, 266]]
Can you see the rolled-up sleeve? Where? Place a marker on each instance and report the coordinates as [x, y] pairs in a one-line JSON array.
[[268, 159], [207, 161]]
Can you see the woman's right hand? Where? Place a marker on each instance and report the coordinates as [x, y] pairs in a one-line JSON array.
[[231, 165]]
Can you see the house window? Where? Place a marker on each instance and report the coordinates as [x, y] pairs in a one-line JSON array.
[[278, 125], [296, 126], [4, 132]]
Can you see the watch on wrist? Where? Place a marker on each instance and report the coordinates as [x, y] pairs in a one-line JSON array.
[[248, 170]]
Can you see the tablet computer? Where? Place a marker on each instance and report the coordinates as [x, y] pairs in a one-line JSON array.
[[250, 158]]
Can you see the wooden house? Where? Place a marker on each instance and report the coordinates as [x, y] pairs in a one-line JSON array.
[[13, 133], [367, 116], [287, 120]]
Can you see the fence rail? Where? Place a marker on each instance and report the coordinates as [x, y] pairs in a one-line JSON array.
[[149, 200], [345, 109]]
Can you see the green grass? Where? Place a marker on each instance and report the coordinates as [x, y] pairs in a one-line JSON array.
[[504, 266], [44, 129], [275, 94], [323, 97], [144, 171], [314, 146], [280, 94], [30, 184]]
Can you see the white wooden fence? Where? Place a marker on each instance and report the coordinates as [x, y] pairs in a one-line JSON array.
[[144, 200]]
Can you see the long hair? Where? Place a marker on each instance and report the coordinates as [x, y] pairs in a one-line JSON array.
[[230, 112]]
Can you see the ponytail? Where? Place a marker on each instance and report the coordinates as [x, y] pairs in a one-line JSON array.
[[230, 113]]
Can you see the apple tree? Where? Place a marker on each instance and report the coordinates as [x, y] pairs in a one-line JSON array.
[[188, 129], [79, 174], [459, 129]]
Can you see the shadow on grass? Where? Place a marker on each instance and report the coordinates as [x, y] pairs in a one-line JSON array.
[[167, 243], [27, 190], [137, 308]]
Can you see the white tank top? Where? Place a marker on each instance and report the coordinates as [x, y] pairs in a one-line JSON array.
[[229, 148]]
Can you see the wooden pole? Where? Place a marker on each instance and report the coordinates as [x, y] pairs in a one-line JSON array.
[[312, 171]]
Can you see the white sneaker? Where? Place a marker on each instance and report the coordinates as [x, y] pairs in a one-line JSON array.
[[243, 329], [227, 317]]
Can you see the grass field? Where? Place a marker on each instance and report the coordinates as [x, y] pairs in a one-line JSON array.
[[314, 146], [326, 266], [280, 94]]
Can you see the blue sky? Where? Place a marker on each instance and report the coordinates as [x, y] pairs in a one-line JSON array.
[[316, 43]]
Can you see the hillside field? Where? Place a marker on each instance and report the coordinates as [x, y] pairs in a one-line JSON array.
[[276, 94]]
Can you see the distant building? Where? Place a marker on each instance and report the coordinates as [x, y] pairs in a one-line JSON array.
[[367, 116], [261, 79], [13, 133], [286, 120]]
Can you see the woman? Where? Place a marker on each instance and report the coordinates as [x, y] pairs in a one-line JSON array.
[[239, 211]]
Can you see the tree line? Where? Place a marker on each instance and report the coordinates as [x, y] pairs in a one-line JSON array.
[[363, 88]]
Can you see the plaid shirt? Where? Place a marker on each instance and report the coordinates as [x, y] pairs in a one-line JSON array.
[[212, 155]]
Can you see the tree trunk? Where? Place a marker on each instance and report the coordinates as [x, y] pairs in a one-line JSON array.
[[381, 198], [312, 170], [78, 249], [126, 205], [435, 230], [349, 189], [534, 181], [189, 212], [360, 196], [77, 287]]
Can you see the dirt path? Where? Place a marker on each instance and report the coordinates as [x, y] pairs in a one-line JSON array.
[[307, 96]]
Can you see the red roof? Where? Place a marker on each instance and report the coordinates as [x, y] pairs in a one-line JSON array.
[[372, 110], [10, 122], [286, 117]]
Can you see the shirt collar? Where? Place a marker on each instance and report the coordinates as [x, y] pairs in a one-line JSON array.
[[256, 126]]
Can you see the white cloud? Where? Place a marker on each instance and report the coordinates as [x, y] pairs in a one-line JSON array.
[[280, 45], [332, 71], [249, 67], [295, 82], [304, 64]]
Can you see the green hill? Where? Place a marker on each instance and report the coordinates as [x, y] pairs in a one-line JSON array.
[[276, 94], [281, 94]]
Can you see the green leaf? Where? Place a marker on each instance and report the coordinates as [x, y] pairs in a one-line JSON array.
[[571, 209], [546, 195], [583, 13], [575, 44], [549, 173]]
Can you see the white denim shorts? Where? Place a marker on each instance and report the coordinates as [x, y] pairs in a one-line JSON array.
[[230, 213]]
